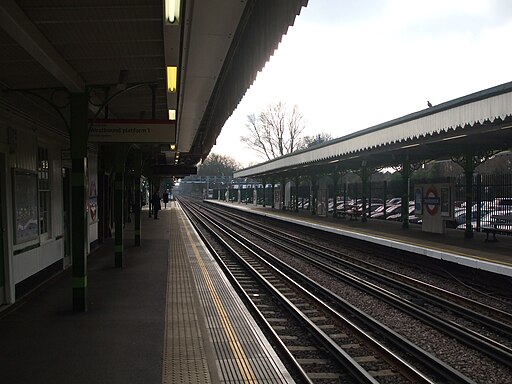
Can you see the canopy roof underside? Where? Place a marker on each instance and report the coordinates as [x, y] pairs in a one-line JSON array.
[[480, 122]]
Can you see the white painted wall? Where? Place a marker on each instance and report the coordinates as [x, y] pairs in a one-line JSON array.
[[28, 263], [21, 134]]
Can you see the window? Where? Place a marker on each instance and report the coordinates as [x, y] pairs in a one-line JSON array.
[[44, 190]]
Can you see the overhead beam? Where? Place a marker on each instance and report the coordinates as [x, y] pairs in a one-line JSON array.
[[174, 170], [21, 29]]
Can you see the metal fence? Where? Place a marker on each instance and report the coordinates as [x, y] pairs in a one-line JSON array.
[[491, 194]]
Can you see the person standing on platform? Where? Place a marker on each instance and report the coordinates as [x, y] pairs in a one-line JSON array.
[[165, 198], [155, 200]]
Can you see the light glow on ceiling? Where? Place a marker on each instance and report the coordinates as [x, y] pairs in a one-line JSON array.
[[172, 11], [172, 79]]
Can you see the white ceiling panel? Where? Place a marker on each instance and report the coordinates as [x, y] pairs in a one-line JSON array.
[[92, 44], [209, 44]]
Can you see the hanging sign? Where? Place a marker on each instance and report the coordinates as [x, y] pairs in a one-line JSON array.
[[132, 131]]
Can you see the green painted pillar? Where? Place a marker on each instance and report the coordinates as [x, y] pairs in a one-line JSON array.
[[79, 241], [469, 168], [364, 179], [150, 187], [282, 191], [334, 194], [128, 184], [297, 194], [2, 231], [313, 195], [273, 193], [385, 195], [118, 204], [478, 202], [264, 192], [406, 173], [137, 205]]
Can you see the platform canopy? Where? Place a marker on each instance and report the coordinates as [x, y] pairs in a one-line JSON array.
[[187, 60], [479, 123]]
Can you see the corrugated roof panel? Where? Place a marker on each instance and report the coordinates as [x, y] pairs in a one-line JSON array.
[[461, 113]]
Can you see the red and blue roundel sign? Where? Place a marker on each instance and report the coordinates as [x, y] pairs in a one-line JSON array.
[[432, 201]]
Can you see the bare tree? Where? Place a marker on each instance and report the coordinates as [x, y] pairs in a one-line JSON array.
[[216, 165], [312, 141], [275, 132]]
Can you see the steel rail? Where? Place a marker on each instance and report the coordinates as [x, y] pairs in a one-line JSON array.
[[380, 272], [260, 318], [355, 369], [480, 342], [399, 341]]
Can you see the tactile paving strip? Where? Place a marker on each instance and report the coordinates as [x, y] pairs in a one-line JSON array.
[[184, 358], [242, 351]]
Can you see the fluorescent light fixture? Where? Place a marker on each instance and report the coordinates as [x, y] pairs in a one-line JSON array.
[[172, 79], [507, 127], [409, 146], [172, 11], [172, 114], [453, 137]]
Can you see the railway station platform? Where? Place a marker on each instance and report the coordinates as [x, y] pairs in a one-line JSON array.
[[169, 315], [495, 257]]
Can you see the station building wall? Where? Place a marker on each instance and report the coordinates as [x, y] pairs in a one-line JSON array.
[[28, 134]]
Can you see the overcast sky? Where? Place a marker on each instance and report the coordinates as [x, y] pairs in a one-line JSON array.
[[349, 65]]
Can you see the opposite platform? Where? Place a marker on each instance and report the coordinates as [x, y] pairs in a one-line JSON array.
[[495, 257]]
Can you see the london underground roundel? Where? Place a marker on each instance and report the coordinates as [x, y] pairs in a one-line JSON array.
[[432, 201]]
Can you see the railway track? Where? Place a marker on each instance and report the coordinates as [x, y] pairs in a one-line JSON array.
[[334, 338], [423, 301]]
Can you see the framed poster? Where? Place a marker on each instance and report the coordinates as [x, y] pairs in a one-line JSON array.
[[418, 200], [445, 201], [26, 223]]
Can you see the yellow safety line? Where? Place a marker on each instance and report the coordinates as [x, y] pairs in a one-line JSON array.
[[236, 347]]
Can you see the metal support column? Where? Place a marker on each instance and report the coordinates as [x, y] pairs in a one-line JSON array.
[[385, 195], [273, 194], [118, 204], [137, 205], [469, 169], [313, 195], [406, 173], [150, 203], [469, 162], [478, 202], [283, 187], [334, 194], [79, 242], [364, 179], [264, 192], [296, 181], [128, 186]]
